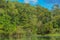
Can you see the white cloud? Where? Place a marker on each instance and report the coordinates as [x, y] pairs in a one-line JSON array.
[[34, 1], [28, 1]]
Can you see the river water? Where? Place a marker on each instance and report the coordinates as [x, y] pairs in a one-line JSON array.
[[33, 38]]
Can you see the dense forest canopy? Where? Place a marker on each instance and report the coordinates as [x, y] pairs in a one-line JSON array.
[[18, 18]]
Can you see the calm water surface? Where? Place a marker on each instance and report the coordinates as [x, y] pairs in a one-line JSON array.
[[33, 38]]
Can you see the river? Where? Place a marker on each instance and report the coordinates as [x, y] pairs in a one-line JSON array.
[[33, 38]]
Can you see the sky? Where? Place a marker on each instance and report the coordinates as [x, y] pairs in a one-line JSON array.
[[44, 3]]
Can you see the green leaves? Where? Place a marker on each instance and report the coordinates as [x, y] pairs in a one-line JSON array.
[[37, 19]]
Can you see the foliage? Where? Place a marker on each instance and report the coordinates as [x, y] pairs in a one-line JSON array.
[[37, 20]]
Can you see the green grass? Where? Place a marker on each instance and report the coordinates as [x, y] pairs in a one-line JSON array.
[[56, 34]]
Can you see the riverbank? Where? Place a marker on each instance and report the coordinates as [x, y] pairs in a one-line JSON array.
[[57, 34]]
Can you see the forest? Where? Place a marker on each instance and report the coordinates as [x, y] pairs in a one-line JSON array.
[[19, 19]]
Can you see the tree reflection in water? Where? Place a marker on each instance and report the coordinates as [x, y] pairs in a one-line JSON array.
[[33, 38]]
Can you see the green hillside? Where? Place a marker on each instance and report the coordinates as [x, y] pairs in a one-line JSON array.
[[18, 19]]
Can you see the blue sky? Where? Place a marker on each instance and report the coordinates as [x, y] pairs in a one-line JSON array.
[[44, 3]]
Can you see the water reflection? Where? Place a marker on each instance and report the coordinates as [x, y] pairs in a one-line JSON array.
[[33, 38]]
